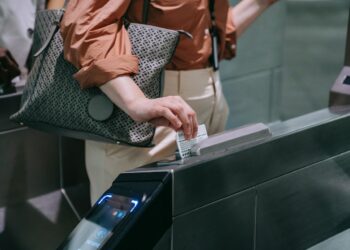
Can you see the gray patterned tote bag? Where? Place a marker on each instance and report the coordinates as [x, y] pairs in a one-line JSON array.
[[53, 101]]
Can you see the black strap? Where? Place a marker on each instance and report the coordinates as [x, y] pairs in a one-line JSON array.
[[145, 11], [214, 58], [212, 13]]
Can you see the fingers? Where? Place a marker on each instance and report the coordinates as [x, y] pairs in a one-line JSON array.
[[170, 111], [163, 122], [173, 120], [195, 126], [189, 119], [184, 113], [160, 122], [186, 118]]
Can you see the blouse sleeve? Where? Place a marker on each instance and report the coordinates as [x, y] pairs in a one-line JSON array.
[[96, 42], [226, 29], [230, 37]]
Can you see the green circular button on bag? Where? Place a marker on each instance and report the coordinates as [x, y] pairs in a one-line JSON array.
[[100, 108]]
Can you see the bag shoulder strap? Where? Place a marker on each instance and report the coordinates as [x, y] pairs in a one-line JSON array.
[[214, 58], [145, 11], [212, 12]]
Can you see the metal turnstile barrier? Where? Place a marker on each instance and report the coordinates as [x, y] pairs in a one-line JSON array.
[[285, 191]]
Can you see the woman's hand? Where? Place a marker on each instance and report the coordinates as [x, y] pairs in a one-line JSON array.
[[170, 111]]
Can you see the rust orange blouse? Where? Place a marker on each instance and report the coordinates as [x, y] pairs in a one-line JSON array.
[[96, 42]]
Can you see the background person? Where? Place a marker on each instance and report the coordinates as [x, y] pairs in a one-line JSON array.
[[16, 38]]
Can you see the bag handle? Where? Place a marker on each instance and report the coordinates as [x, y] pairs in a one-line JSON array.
[[55, 25]]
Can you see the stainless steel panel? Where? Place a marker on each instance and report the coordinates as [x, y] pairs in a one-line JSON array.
[[74, 180], [9, 104], [165, 242], [29, 165], [306, 207], [204, 179], [79, 197], [73, 161], [224, 224], [33, 212], [339, 241], [252, 133], [39, 223]]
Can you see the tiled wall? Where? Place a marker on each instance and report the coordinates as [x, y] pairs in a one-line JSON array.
[[286, 61], [314, 52], [251, 81]]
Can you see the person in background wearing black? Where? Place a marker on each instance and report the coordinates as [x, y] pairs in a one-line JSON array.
[[16, 35]]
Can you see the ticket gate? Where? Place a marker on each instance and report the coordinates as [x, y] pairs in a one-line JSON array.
[[286, 189], [281, 186]]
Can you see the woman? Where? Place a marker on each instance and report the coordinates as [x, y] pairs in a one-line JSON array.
[[96, 42]]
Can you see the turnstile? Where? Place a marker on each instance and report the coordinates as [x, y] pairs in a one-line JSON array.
[[286, 191], [243, 189]]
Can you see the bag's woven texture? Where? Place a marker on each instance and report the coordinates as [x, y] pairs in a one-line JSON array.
[[53, 101], [44, 22]]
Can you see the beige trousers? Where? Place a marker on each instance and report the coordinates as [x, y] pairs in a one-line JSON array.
[[201, 89]]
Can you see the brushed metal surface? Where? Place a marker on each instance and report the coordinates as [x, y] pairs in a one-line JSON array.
[[29, 165], [72, 157], [165, 242], [230, 138], [79, 198], [35, 224], [33, 212], [224, 224], [305, 207], [340, 241], [204, 179], [9, 104], [73, 177]]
